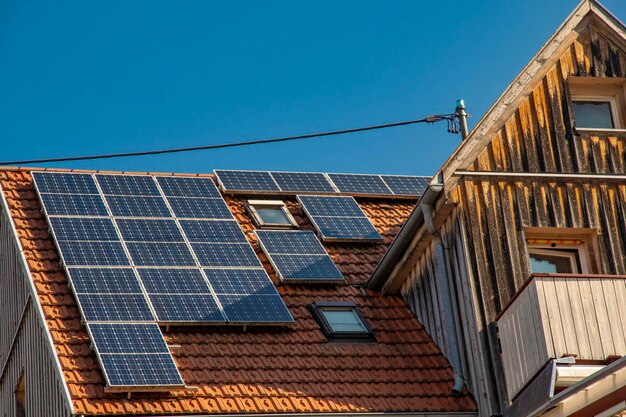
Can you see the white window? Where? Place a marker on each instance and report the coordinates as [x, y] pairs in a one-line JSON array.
[[271, 213], [598, 103], [555, 258]]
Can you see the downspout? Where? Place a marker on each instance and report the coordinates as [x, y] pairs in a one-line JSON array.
[[441, 254]]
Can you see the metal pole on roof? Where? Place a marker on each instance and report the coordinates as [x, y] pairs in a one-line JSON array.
[[460, 112]]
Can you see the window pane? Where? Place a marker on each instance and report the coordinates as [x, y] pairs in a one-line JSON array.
[[344, 321], [272, 215], [542, 263], [593, 114]]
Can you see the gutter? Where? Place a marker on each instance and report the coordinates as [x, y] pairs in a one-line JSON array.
[[381, 414]]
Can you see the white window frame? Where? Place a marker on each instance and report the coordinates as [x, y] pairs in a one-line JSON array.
[[252, 206], [600, 99], [560, 250]]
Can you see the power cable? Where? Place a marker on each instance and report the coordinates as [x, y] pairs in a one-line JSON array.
[[451, 118]]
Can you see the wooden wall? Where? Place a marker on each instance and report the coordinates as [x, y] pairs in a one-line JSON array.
[[23, 339], [486, 231]]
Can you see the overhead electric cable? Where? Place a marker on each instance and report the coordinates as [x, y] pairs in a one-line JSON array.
[[451, 118]]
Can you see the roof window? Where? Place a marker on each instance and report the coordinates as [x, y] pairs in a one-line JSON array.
[[341, 321], [271, 213]]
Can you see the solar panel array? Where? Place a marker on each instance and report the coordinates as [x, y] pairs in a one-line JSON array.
[[298, 256], [273, 182], [154, 250], [338, 218]]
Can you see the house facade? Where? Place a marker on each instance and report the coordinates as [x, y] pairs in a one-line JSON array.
[[515, 258]]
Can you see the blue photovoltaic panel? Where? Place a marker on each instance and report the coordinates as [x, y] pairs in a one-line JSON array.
[[255, 308], [240, 281], [213, 231], [126, 206], [306, 268], [160, 254], [83, 228], [131, 185], [104, 280], [173, 281], [127, 370], [149, 230], [188, 187], [404, 185], [339, 218], [298, 256], [74, 205], [92, 253], [186, 308], [302, 182], [127, 338], [360, 184], [331, 206], [61, 183], [226, 255], [347, 228], [287, 241], [247, 181], [115, 307], [199, 208]]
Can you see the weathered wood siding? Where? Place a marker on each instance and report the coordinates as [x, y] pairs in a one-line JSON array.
[[491, 263], [557, 316], [24, 349]]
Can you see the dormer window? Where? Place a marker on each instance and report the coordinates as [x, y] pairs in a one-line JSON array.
[[271, 213], [598, 103], [595, 113]]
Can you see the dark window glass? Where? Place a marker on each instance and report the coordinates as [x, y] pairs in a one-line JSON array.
[[273, 215], [593, 114]]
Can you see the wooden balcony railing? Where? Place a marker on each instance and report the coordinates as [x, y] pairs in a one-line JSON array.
[[556, 315]]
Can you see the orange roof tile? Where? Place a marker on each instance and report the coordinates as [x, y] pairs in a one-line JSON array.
[[261, 370]]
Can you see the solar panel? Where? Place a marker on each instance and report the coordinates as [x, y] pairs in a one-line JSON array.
[[248, 308], [82, 253], [125, 206], [74, 204], [149, 230], [60, 183], [338, 218], [114, 307], [298, 256], [134, 355], [133, 370], [260, 181], [84, 228], [131, 185], [240, 281], [199, 208], [405, 185], [302, 182], [127, 338], [104, 280], [226, 255], [188, 187], [360, 184], [180, 308], [160, 254], [213, 231], [173, 281]]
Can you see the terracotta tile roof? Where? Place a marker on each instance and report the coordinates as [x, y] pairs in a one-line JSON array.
[[261, 370]]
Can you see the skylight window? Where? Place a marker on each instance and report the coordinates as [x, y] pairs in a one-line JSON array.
[[270, 213], [341, 320]]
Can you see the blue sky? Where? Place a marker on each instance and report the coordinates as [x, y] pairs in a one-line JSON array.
[[89, 77]]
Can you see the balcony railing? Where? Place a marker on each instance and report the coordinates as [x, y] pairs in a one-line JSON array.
[[556, 315]]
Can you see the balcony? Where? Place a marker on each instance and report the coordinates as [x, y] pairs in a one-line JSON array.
[[558, 315]]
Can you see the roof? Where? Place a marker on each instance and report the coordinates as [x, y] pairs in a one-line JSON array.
[[486, 128], [261, 370]]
